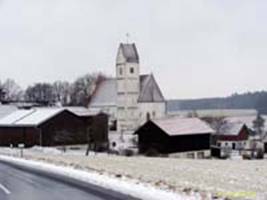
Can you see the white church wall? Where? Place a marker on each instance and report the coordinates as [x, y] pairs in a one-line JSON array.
[[110, 110], [156, 110]]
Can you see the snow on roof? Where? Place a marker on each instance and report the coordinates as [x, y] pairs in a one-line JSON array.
[[231, 128], [80, 111], [183, 126], [106, 94], [6, 110], [31, 117]]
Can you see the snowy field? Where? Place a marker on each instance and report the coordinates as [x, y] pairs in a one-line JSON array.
[[237, 179]]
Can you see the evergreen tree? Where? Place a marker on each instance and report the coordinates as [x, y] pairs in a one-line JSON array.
[[258, 125]]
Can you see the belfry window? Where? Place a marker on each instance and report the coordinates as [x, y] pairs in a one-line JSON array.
[[131, 70], [120, 71]]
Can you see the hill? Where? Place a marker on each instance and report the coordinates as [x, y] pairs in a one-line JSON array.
[[250, 100]]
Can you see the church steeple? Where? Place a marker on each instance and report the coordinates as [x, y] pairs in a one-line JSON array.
[[128, 86]]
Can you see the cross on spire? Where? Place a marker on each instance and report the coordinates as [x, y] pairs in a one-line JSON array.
[[127, 38]]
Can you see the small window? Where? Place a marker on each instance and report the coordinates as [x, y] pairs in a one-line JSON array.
[[154, 114], [120, 71], [131, 70]]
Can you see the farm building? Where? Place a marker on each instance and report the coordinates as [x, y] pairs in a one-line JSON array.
[[175, 135], [232, 138], [233, 135], [232, 128], [48, 127]]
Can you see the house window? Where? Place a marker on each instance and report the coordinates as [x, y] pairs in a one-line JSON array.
[[131, 70]]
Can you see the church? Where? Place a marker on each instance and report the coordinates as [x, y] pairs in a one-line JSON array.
[[131, 98]]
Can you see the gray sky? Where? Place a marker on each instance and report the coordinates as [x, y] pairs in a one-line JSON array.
[[195, 48]]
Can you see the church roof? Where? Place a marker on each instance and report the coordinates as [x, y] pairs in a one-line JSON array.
[[130, 53], [149, 89], [106, 93]]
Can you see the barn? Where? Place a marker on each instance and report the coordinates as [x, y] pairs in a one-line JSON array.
[[97, 126], [174, 135], [43, 126]]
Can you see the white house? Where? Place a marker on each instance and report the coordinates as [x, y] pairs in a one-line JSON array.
[[129, 98]]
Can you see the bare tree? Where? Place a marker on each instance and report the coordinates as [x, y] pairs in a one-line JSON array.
[[83, 88], [61, 92], [216, 123], [12, 91], [41, 93]]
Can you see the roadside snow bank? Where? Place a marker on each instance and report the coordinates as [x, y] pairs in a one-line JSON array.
[[125, 186]]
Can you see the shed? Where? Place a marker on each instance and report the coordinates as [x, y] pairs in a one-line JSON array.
[[42, 126], [173, 135]]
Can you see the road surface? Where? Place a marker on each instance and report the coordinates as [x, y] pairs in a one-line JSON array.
[[20, 184]]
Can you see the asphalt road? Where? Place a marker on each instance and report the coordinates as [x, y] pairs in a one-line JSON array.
[[20, 184]]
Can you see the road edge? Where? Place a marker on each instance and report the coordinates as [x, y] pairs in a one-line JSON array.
[[72, 181], [125, 191]]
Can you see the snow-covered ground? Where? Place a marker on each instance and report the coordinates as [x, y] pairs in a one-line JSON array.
[[237, 179]]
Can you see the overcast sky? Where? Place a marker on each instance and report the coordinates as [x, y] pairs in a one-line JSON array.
[[194, 48]]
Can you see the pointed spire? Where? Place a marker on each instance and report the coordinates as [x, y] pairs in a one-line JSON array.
[[127, 38]]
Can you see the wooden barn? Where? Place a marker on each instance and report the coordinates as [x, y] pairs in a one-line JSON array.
[[97, 127], [46, 127], [174, 135]]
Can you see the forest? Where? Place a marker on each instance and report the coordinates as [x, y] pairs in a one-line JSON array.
[[250, 100]]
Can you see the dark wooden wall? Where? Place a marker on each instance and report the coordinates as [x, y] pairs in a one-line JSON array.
[[16, 135], [65, 128]]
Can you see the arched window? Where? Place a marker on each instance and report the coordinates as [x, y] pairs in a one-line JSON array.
[[120, 71], [147, 116]]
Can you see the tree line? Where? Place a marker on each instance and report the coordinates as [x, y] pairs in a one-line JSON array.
[[250, 100], [77, 93]]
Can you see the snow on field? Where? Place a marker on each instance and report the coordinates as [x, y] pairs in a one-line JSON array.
[[237, 179], [133, 189]]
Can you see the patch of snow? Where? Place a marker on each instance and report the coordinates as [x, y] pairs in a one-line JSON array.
[[134, 189]]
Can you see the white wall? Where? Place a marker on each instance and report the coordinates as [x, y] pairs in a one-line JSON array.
[[238, 144], [156, 111]]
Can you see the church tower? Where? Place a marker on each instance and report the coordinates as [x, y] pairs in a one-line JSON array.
[[128, 87]]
